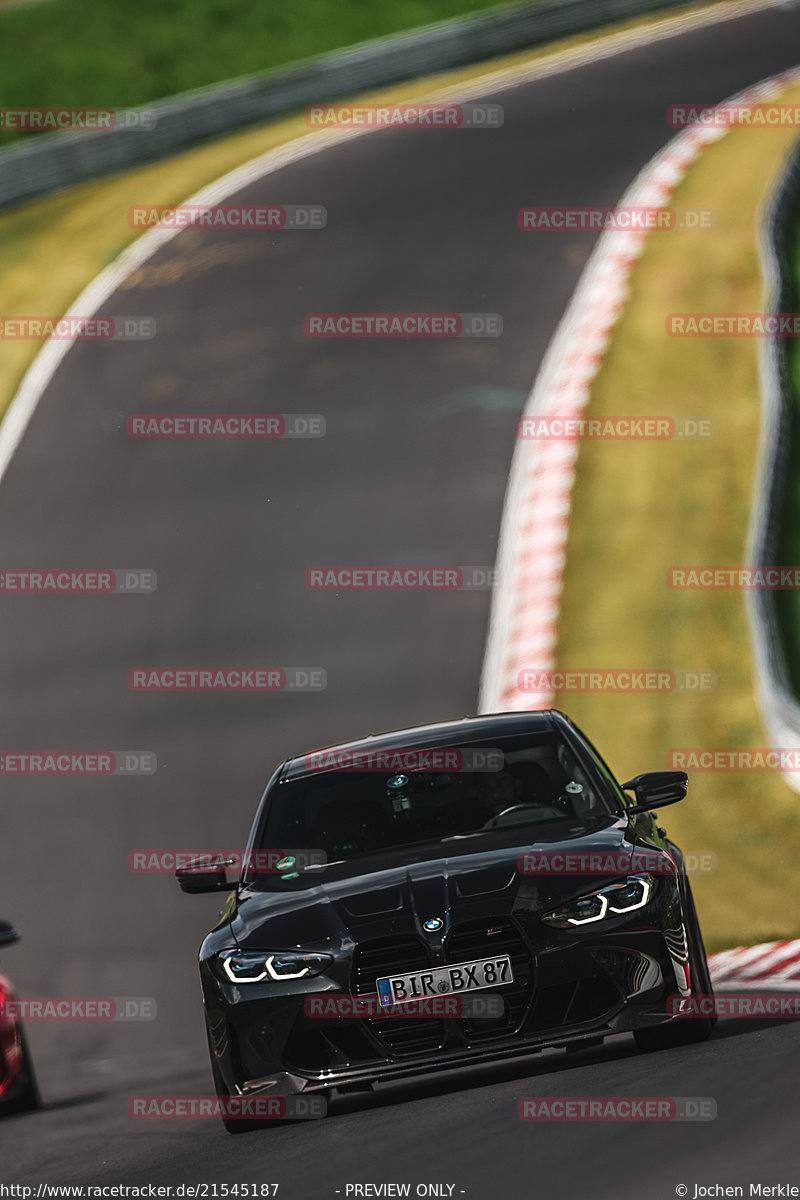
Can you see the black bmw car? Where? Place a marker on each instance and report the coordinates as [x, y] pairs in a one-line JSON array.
[[491, 856]]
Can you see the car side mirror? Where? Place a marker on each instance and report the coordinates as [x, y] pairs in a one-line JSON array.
[[203, 875], [655, 789], [8, 934]]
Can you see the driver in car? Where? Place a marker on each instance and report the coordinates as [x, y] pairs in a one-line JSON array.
[[498, 791]]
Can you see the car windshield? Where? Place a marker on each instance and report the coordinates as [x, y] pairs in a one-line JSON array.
[[487, 788]]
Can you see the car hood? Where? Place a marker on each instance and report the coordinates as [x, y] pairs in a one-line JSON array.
[[391, 898]]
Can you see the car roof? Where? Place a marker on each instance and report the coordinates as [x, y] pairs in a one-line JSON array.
[[444, 733]]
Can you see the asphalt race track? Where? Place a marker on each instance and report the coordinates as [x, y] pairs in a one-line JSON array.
[[413, 469]]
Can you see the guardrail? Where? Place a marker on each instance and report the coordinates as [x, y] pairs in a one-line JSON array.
[[59, 160], [779, 705]]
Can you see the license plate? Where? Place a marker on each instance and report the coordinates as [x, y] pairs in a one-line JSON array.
[[445, 981]]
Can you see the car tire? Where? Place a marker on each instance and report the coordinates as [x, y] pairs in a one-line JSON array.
[[26, 1096], [687, 1031]]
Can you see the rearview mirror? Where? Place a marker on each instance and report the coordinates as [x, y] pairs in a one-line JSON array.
[[203, 875], [655, 789], [8, 934]]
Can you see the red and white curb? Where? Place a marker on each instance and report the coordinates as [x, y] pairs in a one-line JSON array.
[[770, 966], [523, 628]]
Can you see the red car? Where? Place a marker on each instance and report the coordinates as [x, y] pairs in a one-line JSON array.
[[18, 1090]]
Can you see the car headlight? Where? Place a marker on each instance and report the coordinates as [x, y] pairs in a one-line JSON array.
[[254, 966], [614, 900]]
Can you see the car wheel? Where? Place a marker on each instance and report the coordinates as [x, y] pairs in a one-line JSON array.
[[26, 1096], [687, 1031]]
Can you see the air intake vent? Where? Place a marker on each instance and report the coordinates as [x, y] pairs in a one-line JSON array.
[[493, 939], [396, 956]]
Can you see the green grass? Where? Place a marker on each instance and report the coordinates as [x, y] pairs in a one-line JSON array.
[[787, 604], [641, 508], [109, 52], [51, 247]]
